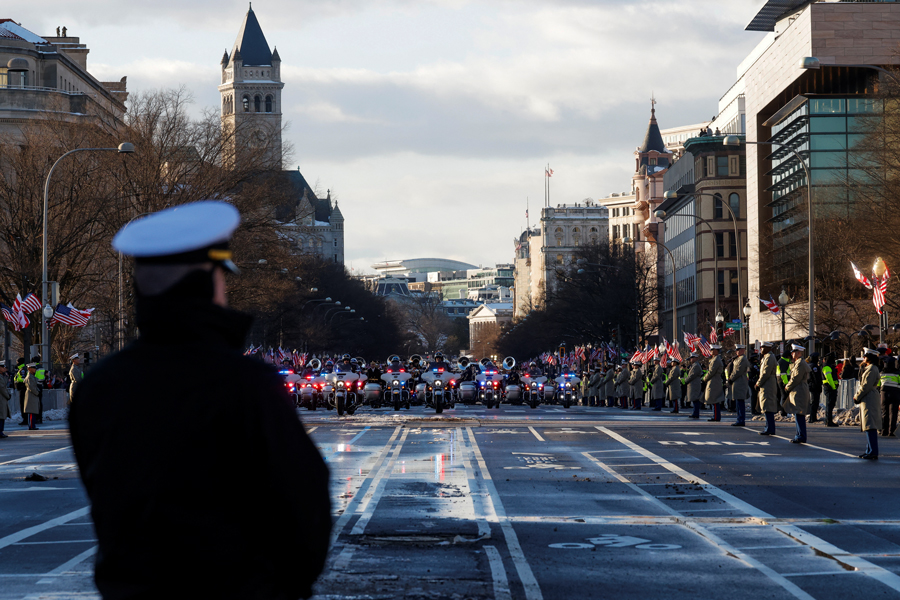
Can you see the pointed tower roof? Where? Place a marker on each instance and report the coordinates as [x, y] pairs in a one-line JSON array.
[[275, 55], [653, 138], [251, 44], [225, 57]]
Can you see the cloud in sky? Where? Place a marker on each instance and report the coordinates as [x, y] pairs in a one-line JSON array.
[[433, 119]]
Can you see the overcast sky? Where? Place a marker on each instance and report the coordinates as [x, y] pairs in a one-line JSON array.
[[432, 121]]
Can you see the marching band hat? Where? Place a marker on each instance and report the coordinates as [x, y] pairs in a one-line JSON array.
[[192, 233], [871, 351], [797, 348]]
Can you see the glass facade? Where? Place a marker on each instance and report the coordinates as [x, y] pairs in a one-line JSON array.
[[681, 239], [823, 132]]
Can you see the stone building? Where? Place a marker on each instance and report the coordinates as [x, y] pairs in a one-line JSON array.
[[251, 106], [43, 77]]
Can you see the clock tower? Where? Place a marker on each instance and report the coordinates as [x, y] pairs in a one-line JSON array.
[[251, 97]]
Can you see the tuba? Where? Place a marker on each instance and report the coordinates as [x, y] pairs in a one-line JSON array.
[[315, 364], [463, 362], [484, 361], [415, 360], [509, 363], [393, 358]]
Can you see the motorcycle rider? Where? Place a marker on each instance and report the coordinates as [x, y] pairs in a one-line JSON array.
[[439, 363]]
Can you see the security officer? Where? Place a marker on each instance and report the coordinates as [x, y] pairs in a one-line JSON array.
[[168, 516], [41, 375], [33, 393], [657, 386], [740, 385], [636, 381], [890, 397], [75, 375], [784, 375], [19, 382], [767, 387], [797, 390], [715, 393], [867, 398], [673, 382], [830, 385], [694, 382]]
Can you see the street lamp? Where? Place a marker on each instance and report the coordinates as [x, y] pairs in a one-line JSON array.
[[674, 284], [661, 214], [746, 324], [123, 148], [783, 300], [737, 238], [733, 140], [342, 311]]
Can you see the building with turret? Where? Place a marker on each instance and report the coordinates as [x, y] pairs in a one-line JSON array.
[[251, 104]]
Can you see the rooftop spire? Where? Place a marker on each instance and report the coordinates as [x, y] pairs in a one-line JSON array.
[[251, 42]]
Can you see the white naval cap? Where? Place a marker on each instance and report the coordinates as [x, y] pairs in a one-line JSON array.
[[740, 347], [797, 348], [74, 356], [767, 345], [871, 351], [190, 233], [715, 347]]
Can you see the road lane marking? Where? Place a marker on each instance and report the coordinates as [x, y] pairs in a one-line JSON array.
[[311, 429], [370, 501], [30, 531], [780, 437], [66, 566], [27, 458], [498, 573], [536, 434], [350, 443], [350, 510], [702, 531], [526, 576], [878, 573], [90, 541]]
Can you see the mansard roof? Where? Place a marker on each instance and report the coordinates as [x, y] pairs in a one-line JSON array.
[[251, 44]]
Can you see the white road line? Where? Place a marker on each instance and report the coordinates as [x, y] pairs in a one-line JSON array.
[[66, 566], [817, 573], [816, 447], [526, 576], [536, 434], [350, 511], [883, 575], [501, 583], [91, 541], [27, 458], [371, 498], [702, 531], [484, 529], [26, 533], [311, 429], [637, 465], [38, 489]]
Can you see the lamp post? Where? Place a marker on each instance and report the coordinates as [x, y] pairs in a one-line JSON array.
[[783, 300], [674, 284], [661, 214], [342, 311], [737, 239], [733, 140], [746, 324], [338, 308], [47, 311]]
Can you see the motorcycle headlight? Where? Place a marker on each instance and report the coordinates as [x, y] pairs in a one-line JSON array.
[[568, 385]]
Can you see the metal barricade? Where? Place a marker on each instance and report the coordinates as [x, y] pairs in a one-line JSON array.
[[845, 393]]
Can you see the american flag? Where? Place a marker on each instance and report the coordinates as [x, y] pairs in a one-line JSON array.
[[16, 319], [860, 277], [771, 305], [728, 332], [691, 340], [548, 172], [637, 356], [30, 303], [713, 336], [880, 289], [704, 348], [69, 315], [664, 359], [672, 350]]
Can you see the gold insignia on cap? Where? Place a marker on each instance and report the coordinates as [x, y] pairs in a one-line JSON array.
[[215, 254]]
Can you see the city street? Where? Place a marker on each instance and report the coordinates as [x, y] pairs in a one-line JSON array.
[[545, 503]]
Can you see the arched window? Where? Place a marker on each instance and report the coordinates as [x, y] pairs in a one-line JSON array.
[[559, 230], [559, 259], [594, 230], [246, 102], [718, 211], [575, 230], [269, 103], [734, 203], [257, 101]]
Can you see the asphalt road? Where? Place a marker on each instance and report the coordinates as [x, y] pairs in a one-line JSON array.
[[545, 503]]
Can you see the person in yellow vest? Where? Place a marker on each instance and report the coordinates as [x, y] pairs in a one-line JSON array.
[[767, 386], [19, 382], [797, 390], [830, 386], [41, 375], [869, 401], [890, 397]]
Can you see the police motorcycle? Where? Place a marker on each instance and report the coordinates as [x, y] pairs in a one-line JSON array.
[[292, 381], [343, 382], [439, 383], [567, 388], [466, 391], [421, 387], [371, 391], [514, 391], [532, 387], [489, 380], [309, 390], [396, 376]]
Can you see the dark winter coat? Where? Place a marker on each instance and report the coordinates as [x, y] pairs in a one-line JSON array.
[[202, 480]]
